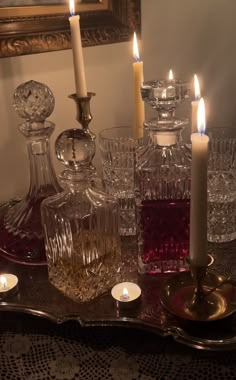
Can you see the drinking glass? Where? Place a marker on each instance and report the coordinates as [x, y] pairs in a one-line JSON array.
[[222, 185], [118, 150]]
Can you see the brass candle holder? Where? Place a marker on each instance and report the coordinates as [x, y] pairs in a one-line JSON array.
[[199, 294], [84, 116]]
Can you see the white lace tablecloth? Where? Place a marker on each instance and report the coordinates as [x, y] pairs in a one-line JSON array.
[[36, 349]]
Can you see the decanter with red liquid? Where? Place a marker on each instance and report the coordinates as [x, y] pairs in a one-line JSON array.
[[21, 232], [162, 185]]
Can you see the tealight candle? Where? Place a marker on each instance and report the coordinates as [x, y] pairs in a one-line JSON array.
[[126, 293], [8, 284]]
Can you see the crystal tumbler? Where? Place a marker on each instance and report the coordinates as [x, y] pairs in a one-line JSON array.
[[222, 185], [118, 149]]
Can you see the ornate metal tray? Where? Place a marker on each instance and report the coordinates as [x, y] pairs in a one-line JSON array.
[[37, 296]]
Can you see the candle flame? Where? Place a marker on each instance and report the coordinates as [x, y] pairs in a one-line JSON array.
[[201, 117], [72, 7], [171, 76], [125, 293], [3, 282], [135, 48], [196, 88]]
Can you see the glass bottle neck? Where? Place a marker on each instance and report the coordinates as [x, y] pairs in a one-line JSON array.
[[164, 138], [76, 180], [43, 181]]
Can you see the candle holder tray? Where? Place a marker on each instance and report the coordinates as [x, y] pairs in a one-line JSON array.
[[37, 296]]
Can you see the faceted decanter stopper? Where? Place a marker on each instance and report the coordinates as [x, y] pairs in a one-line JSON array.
[[34, 102], [164, 95], [75, 149]]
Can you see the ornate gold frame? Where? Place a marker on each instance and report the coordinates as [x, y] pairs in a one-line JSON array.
[[28, 33]]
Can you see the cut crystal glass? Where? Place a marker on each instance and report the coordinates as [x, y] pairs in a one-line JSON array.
[[81, 225], [162, 184], [21, 233]]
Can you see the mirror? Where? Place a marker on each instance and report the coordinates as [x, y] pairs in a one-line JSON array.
[[28, 26]]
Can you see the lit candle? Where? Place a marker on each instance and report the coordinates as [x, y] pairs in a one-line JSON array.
[[8, 285], [78, 59], [3, 282], [198, 213], [139, 115], [195, 103], [126, 294]]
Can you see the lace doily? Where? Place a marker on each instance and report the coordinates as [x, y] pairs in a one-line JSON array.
[[36, 349]]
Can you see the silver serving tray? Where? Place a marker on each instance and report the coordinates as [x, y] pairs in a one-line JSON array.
[[38, 297]]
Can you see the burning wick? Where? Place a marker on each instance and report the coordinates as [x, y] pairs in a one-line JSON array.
[[171, 75], [3, 282], [125, 295]]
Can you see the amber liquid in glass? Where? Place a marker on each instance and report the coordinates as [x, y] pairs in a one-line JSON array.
[[165, 230]]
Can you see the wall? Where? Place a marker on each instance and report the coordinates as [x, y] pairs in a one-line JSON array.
[[185, 35], [194, 36]]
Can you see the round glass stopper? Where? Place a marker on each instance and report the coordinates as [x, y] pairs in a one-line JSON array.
[[75, 148], [33, 101]]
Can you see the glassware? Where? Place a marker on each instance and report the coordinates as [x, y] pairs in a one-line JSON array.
[[162, 183], [21, 233], [81, 225], [118, 150], [222, 185], [84, 117]]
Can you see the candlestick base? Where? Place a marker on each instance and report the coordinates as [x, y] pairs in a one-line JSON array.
[[215, 299]]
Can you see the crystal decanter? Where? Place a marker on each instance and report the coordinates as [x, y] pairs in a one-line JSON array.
[[81, 224], [162, 184], [21, 233]]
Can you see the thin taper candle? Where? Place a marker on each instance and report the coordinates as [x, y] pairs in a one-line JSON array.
[[198, 212], [139, 115], [78, 59]]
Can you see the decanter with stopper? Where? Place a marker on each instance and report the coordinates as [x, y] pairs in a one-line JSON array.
[[81, 224], [162, 184], [21, 232]]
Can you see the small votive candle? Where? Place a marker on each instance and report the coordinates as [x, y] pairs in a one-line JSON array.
[[8, 285], [126, 294]]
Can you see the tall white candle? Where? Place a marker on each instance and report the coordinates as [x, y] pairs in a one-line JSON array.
[[139, 115], [198, 212], [78, 59], [195, 103]]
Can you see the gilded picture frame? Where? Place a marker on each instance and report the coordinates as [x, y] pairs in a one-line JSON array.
[[37, 29]]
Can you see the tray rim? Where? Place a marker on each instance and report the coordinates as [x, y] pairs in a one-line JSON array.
[[176, 332]]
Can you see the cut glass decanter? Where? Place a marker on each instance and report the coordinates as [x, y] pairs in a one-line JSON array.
[[162, 185], [81, 224], [21, 233]]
